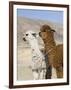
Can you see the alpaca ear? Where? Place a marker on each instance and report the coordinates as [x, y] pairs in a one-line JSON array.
[[52, 30], [37, 35]]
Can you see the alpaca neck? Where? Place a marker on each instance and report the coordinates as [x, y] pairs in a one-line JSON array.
[[49, 44]]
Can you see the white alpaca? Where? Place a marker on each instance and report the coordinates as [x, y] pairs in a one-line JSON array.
[[38, 60]]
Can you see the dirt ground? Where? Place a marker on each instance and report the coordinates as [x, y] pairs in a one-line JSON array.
[[24, 64]]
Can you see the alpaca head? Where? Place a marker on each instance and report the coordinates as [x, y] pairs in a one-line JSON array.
[[46, 32], [29, 35]]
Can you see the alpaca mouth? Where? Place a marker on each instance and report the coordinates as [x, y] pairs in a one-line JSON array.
[[24, 39]]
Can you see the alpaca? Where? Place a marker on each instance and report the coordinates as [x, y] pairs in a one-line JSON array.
[[53, 51], [38, 60]]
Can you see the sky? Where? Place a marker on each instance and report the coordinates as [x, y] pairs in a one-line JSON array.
[[49, 15]]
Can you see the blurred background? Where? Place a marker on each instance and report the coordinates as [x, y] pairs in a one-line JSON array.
[[28, 19]]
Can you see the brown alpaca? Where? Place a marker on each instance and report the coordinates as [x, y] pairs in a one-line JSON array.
[[53, 51]]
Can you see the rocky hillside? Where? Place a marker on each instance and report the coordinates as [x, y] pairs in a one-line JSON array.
[[25, 24]]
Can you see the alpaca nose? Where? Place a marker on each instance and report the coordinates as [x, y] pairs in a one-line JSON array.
[[24, 39]]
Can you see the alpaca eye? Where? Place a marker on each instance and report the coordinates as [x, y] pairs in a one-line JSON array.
[[44, 31], [26, 34], [33, 34]]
